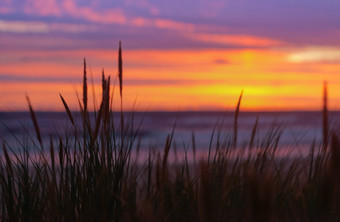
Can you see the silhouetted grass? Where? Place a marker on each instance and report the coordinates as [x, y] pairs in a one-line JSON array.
[[89, 174]]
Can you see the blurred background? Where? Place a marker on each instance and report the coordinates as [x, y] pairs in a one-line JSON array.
[[178, 55]]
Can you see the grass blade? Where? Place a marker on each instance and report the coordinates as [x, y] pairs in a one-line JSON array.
[[35, 122], [236, 118]]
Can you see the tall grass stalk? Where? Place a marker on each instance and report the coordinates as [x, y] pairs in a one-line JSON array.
[[325, 118], [237, 111]]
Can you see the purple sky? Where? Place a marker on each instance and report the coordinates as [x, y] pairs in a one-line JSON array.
[[279, 50], [65, 24]]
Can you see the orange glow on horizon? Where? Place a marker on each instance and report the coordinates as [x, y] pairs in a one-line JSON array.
[[172, 79]]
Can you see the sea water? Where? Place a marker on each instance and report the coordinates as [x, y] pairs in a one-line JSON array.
[[295, 131]]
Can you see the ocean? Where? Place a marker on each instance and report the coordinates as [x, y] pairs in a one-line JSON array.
[[297, 130]]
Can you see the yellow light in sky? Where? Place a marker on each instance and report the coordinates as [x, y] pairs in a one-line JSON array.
[[272, 79]]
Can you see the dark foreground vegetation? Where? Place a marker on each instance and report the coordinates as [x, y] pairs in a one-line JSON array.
[[89, 174]]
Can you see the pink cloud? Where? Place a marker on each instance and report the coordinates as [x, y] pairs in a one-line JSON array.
[[43, 7], [5, 10], [198, 32], [7, 1], [162, 24], [171, 24], [140, 22], [69, 7], [109, 16], [239, 40], [154, 11]]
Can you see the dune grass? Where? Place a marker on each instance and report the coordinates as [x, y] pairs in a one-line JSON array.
[[89, 174]]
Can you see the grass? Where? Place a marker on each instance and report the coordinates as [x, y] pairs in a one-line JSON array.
[[89, 174]]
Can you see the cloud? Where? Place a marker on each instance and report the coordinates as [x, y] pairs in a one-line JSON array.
[[23, 27], [108, 16], [32, 78], [43, 27], [302, 26], [162, 24], [221, 61], [238, 40], [117, 16], [43, 7], [69, 7], [36, 79], [171, 24], [157, 82], [103, 16], [169, 82], [5, 10], [140, 22], [186, 31], [315, 54], [72, 28], [140, 29]]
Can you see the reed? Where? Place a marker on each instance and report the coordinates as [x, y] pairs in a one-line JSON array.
[[237, 111], [85, 88], [120, 69], [35, 121], [68, 111], [325, 117], [253, 134]]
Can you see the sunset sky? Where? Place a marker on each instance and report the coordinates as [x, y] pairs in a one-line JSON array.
[[178, 55]]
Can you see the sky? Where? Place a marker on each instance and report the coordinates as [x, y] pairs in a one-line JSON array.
[[177, 55]]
